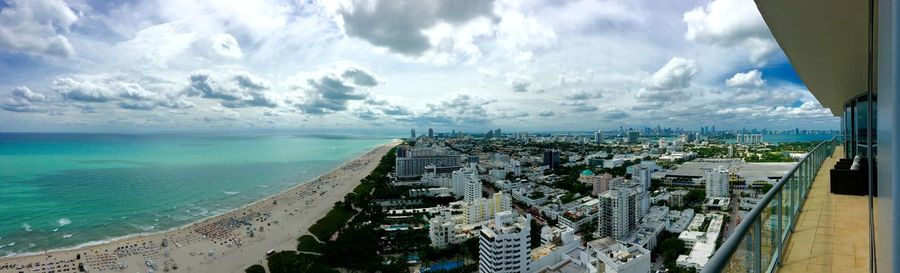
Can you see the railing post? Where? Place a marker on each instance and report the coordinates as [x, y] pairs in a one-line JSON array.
[[779, 238], [757, 245]]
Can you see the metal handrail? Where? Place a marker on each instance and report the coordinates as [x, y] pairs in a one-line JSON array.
[[722, 256]]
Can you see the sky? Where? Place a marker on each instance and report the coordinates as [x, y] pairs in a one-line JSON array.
[[161, 65]]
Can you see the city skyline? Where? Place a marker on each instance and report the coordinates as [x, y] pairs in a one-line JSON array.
[[151, 66]]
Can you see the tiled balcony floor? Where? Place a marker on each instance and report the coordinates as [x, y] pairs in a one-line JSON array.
[[832, 232]]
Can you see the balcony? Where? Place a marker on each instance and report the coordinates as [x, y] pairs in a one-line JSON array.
[[799, 226], [829, 235]]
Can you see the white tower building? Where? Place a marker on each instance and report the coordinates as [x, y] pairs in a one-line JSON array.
[[505, 244], [717, 182]]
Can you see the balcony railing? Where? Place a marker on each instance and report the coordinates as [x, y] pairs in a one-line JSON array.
[[757, 244]]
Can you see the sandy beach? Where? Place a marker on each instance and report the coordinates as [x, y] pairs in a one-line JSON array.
[[228, 242]]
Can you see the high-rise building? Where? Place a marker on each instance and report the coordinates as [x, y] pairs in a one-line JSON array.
[[598, 137], [641, 175], [430, 133], [412, 163], [621, 210], [412, 133], [603, 182], [472, 186], [717, 182], [551, 158], [463, 182], [633, 136], [505, 244], [498, 133]]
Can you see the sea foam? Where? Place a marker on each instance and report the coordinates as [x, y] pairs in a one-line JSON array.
[[63, 221]]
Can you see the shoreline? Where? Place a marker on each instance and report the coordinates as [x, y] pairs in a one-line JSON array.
[[220, 230]]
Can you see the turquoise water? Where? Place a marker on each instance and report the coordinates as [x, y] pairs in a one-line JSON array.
[[794, 138], [62, 190]]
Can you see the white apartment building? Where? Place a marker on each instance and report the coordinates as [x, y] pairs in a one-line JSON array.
[[482, 209], [465, 183], [444, 230], [620, 210], [620, 258], [641, 176], [505, 244], [717, 182]]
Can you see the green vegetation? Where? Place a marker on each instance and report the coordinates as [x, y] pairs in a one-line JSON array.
[[768, 157], [361, 244], [695, 196], [711, 151], [308, 243], [669, 249], [567, 198], [293, 262], [467, 249], [255, 269], [334, 220], [569, 180]]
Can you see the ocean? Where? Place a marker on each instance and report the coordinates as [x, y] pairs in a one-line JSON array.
[[63, 190], [794, 137]]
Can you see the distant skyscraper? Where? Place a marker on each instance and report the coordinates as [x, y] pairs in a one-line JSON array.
[[551, 158], [412, 133], [430, 133], [498, 133], [598, 137], [633, 136]]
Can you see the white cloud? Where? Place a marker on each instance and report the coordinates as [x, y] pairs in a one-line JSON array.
[[677, 73], [329, 90], [519, 36], [236, 89], [465, 64], [129, 93], [400, 26], [752, 78], [37, 27], [227, 46], [731, 23], [26, 94]]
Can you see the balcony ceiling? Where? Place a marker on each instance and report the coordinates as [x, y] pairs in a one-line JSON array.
[[826, 42]]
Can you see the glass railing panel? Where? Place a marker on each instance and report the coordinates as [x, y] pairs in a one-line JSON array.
[[758, 241], [770, 244], [787, 208], [739, 262]]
